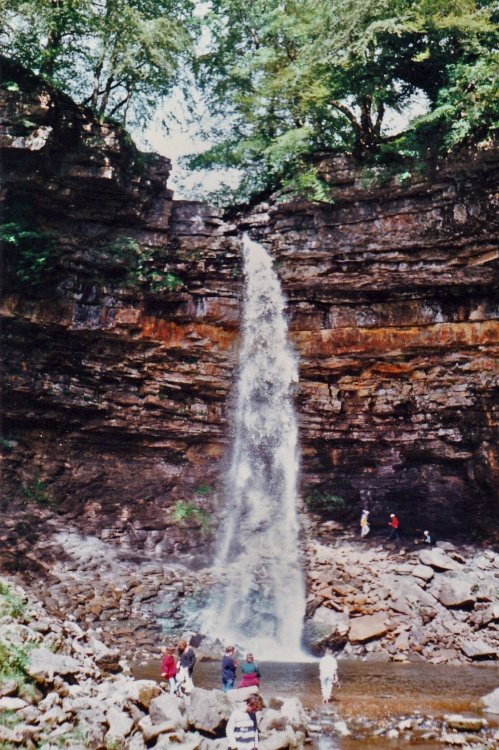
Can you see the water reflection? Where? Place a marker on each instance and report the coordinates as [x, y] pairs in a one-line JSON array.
[[366, 689]]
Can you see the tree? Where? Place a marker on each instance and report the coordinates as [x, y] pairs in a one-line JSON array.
[[118, 56], [292, 78]]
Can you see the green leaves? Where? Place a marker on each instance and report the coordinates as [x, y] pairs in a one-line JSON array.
[[117, 56], [294, 78], [29, 254]]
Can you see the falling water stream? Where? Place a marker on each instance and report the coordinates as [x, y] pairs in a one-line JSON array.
[[260, 600]]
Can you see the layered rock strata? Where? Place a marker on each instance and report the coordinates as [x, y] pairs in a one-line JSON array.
[[119, 361]]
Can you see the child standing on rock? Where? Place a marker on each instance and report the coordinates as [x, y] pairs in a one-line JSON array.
[[169, 668]]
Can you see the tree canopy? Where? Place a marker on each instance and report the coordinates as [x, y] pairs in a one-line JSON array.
[[117, 56], [283, 80], [293, 78]]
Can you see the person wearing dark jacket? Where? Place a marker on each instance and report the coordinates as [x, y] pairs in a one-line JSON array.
[[186, 661], [229, 666]]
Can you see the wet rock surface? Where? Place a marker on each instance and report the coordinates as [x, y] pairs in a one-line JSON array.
[[116, 389]]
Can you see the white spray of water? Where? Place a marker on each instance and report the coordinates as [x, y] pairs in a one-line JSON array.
[[261, 601]]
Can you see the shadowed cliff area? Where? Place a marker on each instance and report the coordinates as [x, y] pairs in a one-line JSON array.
[[121, 312]]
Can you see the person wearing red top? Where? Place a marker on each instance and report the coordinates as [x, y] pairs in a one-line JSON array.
[[169, 668], [394, 527]]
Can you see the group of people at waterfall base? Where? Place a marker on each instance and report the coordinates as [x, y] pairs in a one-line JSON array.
[[242, 726], [393, 524]]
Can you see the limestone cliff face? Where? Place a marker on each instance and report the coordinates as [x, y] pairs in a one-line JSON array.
[[119, 359]]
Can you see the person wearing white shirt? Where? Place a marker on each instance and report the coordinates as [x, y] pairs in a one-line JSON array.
[[328, 674]]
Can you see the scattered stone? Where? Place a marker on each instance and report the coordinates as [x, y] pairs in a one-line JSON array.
[[423, 571], [208, 710], [455, 593], [44, 664], [436, 558], [490, 702], [367, 627], [478, 649], [466, 723]]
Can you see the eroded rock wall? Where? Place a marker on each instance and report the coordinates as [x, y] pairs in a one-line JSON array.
[[117, 381], [393, 302]]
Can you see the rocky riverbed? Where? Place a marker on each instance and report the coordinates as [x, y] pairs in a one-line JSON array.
[[368, 599], [403, 601], [62, 687]]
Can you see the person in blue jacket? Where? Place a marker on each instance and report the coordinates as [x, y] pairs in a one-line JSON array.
[[229, 666]]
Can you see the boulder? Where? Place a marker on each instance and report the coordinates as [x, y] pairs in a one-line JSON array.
[[192, 741], [11, 704], [208, 710], [272, 719], [367, 627], [279, 740], [142, 691], [167, 708], [44, 664], [425, 572], [120, 725], [327, 621], [151, 731], [294, 713], [490, 702], [438, 559], [478, 649], [466, 723], [455, 592]]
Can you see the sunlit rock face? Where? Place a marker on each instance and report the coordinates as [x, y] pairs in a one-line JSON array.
[[117, 398]]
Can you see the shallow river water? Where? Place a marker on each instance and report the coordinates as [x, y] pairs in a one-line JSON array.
[[372, 690]]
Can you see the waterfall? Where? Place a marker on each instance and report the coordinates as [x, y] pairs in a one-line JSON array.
[[259, 603]]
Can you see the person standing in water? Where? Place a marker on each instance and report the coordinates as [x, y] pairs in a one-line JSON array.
[[229, 666], [250, 673], [328, 674]]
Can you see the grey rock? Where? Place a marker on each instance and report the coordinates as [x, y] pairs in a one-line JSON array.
[[455, 592], [44, 664], [167, 708], [490, 702], [466, 723], [478, 649], [436, 558], [120, 724], [208, 710]]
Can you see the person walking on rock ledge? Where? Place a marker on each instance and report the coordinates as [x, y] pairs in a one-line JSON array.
[[328, 674], [394, 528], [364, 523]]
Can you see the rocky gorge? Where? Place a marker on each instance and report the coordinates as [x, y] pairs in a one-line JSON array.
[[120, 347]]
